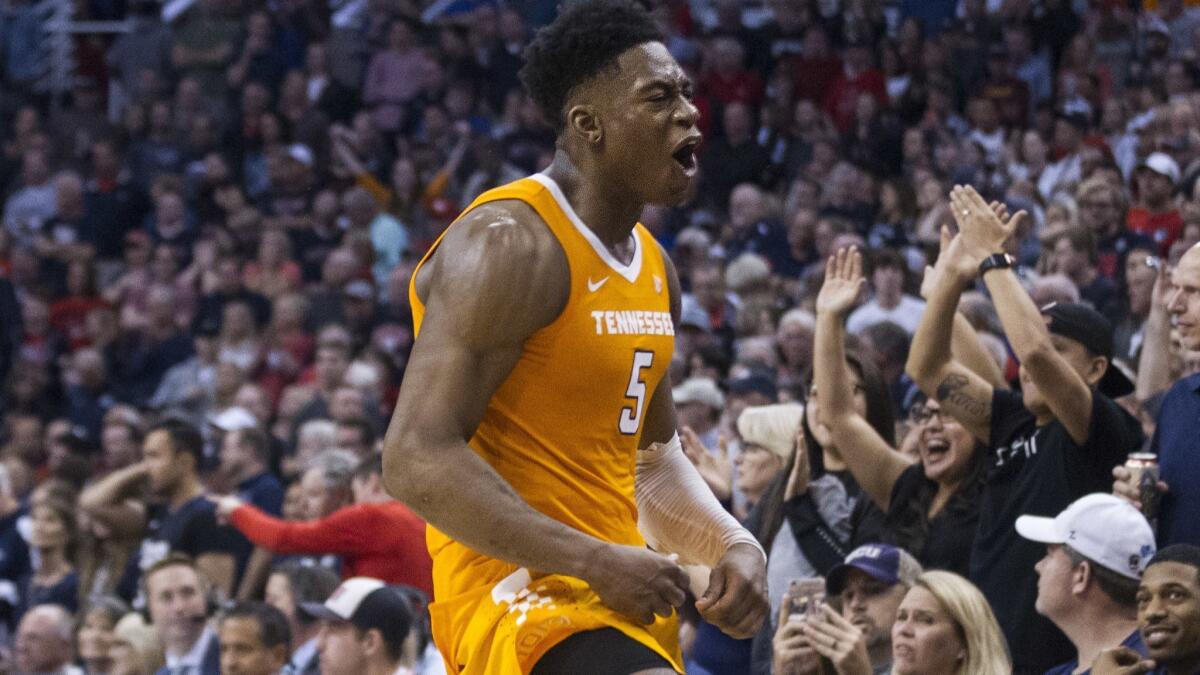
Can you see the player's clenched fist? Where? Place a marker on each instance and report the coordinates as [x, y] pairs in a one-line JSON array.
[[736, 598], [637, 582]]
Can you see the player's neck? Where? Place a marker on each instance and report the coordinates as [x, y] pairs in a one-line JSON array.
[[604, 210]]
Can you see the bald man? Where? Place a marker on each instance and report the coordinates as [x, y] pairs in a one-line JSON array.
[[1177, 438], [43, 645]]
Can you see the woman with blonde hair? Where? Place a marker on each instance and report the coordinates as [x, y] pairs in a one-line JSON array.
[[136, 647], [945, 627]]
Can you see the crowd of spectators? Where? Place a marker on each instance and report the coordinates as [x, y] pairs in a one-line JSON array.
[[205, 253]]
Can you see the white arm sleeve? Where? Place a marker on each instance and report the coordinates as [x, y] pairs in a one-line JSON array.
[[678, 513]]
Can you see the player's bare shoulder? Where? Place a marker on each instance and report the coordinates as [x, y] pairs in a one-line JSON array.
[[498, 264]]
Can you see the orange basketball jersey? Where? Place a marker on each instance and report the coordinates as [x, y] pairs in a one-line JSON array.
[[563, 430]]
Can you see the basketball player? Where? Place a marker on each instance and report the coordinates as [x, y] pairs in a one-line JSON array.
[[535, 430]]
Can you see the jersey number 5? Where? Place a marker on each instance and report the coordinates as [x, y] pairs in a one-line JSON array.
[[631, 417]]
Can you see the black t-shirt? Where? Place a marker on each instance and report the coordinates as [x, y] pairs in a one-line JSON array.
[[945, 542], [1038, 471], [866, 519], [191, 529]]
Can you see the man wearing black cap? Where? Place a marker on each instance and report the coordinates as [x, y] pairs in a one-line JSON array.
[[1054, 442], [365, 623]]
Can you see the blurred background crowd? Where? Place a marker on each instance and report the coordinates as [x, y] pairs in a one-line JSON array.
[[207, 234]]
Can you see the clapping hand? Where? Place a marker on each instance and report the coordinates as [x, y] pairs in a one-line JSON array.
[[984, 227], [716, 470], [844, 282], [797, 483]]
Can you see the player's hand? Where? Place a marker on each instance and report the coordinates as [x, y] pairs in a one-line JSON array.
[[637, 582], [1121, 661], [736, 598]]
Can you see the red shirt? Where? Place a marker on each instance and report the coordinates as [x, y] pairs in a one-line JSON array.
[[385, 541], [741, 87], [842, 97], [69, 317], [1164, 228]]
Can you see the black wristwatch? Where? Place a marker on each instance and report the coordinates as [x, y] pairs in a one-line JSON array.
[[996, 261]]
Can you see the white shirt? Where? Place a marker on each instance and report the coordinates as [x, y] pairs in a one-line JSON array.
[[906, 314], [195, 656], [1059, 174], [302, 656]]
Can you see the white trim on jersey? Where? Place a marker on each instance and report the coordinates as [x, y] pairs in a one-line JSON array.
[[631, 271]]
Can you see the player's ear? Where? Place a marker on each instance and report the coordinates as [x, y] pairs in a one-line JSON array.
[[583, 121]]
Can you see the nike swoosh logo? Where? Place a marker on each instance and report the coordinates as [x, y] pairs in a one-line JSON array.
[[594, 286]]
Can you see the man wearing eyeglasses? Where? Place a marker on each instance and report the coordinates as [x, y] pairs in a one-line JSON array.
[[1102, 209]]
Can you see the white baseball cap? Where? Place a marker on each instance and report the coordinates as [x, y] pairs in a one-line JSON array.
[[1100, 527], [699, 390], [301, 153], [234, 418], [369, 604], [1162, 164]]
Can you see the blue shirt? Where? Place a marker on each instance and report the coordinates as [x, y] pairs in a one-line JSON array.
[[263, 491], [1134, 642], [1177, 444]]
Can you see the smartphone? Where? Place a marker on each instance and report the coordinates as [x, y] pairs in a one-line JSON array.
[[804, 596]]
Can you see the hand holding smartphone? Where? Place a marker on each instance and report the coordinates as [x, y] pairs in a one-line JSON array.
[[803, 597]]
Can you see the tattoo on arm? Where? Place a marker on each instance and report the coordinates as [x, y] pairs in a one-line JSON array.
[[953, 391]]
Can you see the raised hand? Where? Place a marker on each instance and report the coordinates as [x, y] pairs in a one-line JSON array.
[[844, 282], [984, 228], [1161, 288]]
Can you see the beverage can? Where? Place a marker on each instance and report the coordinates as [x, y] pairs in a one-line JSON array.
[[1144, 475]]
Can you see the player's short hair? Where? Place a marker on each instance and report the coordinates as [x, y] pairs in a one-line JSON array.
[[585, 38]]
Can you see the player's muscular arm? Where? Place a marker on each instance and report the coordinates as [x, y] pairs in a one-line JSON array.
[[498, 277], [494, 281]]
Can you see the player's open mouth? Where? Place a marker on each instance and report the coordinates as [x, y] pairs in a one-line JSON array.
[[685, 154]]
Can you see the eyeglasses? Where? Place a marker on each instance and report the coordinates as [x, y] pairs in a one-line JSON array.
[[923, 414]]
